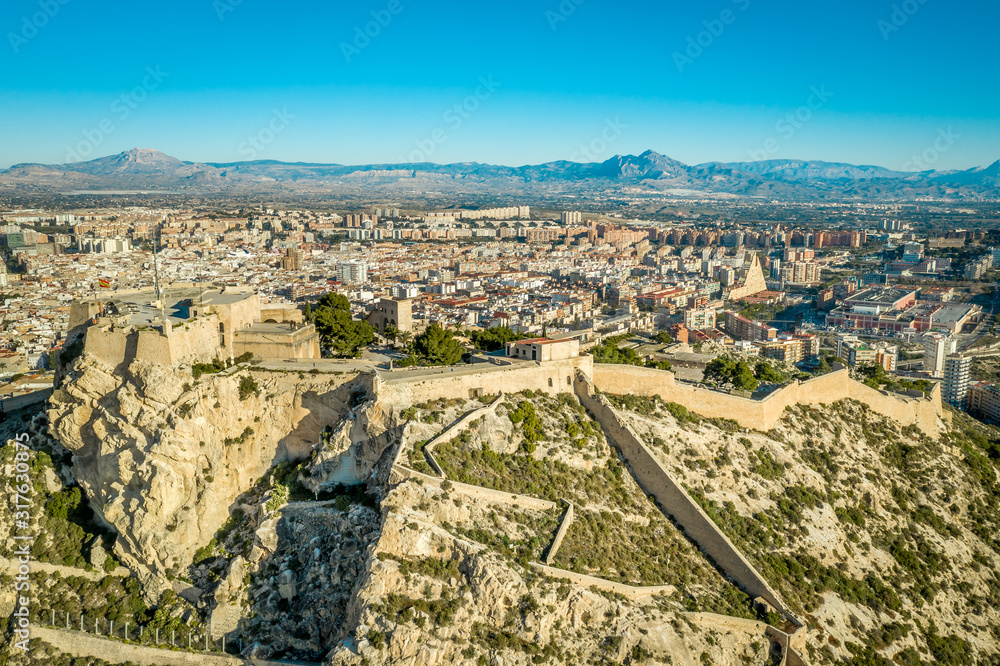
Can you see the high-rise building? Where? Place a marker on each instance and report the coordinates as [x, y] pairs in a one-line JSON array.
[[571, 217], [292, 261], [984, 402], [352, 272], [937, 347], [957, 378]]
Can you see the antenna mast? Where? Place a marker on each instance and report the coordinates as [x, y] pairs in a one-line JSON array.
[[156, 275]]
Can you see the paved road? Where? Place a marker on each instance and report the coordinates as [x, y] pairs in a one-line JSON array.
[[81, 644], [45, 567]]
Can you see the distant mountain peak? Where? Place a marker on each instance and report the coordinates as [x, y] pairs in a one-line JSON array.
[[794, 179]]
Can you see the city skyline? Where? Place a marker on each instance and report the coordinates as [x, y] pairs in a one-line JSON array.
[[867, 84]]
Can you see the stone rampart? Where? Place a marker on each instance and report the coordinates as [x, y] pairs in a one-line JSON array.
[[764, 414], [488, 494], [25, 400], [567, 520], [655, 480], [632, 593], [117, 347], [456, 428], [411, 387]]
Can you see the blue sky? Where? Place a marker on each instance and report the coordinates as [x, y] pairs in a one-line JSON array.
[[867, 81]]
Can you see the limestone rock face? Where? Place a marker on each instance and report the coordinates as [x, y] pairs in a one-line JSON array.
[[162, 456], [479, 603], [348, 452]]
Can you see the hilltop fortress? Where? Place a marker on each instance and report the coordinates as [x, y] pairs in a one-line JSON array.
[[189, 324], [165, 457]]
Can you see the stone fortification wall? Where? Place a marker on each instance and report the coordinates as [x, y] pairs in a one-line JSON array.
[[764, 414], [408, 387], [583, 580], [481, 492], [655, 480], [280, 312], [24, 400], [560, 534], [302, 343], [193, 341], [456, 429]]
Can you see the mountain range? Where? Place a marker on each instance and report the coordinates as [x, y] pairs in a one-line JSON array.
[[623, 175]]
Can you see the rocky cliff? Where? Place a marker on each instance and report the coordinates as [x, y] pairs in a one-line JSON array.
[[162, 456]]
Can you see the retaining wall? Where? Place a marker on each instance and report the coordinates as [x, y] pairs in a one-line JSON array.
[[764, 414], [455, 428]]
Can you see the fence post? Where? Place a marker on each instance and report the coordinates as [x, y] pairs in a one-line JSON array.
[[126, 631], [111, 631], [67, 620], [81, 621], [53, 617], [157, 635], [96, 629], [173, 638], [223, 643]]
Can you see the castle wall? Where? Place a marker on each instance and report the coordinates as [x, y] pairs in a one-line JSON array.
[[236, 316], [764, 414], [302, 343], [674, 500], [19, 401], [588, 582], [118, 347], [107, 345], [196, 340], [409, 387], [280, 313]]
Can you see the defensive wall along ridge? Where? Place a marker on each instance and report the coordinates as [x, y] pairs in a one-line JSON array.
[[676, 502], [924, 412], [652, 477], [407, 387]]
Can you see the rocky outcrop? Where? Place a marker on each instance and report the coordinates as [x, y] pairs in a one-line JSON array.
[[319, 558], [162, 456], [428, 597], [348, 453]]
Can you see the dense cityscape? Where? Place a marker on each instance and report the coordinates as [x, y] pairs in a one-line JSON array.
[[916, 301]]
